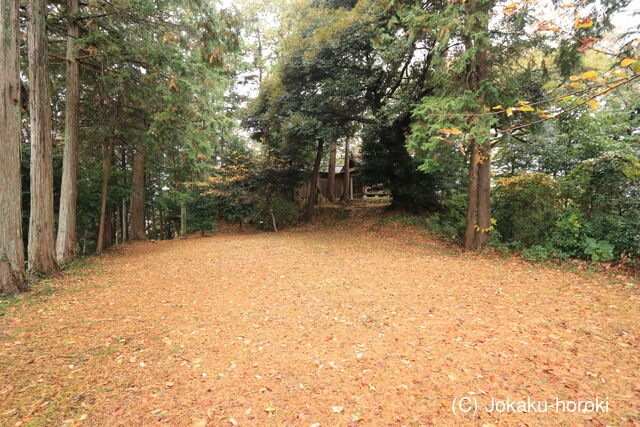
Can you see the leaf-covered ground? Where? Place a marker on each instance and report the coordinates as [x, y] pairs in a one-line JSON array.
[[342, 326]]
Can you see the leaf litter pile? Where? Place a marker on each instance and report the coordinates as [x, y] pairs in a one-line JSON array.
[[319, 327]]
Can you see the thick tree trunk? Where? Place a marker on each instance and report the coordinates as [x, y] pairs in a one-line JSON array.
[[106, 172], [331, 181], [313, 187], [346, 190], [484, 196], [12, 277], [472, 198], [478, 224], [41, 246], [137, 197], [66, 240]]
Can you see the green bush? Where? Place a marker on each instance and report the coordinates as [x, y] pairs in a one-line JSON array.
[[598, 250], [284, 211], [537, 253], [606, 194], [566, 236], [592, 212], [525, 208]]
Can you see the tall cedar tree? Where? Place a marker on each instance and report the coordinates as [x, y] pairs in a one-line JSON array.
[[12, 278], [66, 239], [41, 248]]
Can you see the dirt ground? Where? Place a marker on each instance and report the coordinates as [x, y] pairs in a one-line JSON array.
[[351, 325]]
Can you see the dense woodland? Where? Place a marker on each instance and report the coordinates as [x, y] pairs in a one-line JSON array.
[[515, 125]]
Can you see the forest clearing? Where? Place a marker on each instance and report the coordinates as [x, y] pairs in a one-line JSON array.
[[359, 325], [319, 213]]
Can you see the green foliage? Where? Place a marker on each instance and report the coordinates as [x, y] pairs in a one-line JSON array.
[[525, 207], [284, 211], [593, 211], [537, 253], [606, 192], [247, 189], [598, 250], [567, 237], [202, 211]]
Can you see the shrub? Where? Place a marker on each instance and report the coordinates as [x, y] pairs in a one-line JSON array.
[[526, 208], [598, 250], [537, 253], [606, 193], [285, 212]]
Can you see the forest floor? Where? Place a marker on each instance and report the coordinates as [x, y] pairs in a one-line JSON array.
[[359, 324]]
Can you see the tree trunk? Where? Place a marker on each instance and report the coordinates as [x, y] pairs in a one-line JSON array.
[[183, 219], [116, 225], [41, 246], [66, 240], [12, 277], [478, 224], [313, 187], [331, 181], [137, 198], [124, 220], [106, 172], [346, 191], [472, 198], [484, 196], [108, 230]]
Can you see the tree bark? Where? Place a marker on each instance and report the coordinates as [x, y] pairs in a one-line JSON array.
[[183, 219], [484, 196], [331, 181], [346, 191], [106, 172], [124, 220], [12, 274], [41, 247], [137, 197], [108, 229], [478, 224], [313, 187], [66, 240], [472, 198]]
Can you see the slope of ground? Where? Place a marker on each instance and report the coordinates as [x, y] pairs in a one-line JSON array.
[[341, 326]]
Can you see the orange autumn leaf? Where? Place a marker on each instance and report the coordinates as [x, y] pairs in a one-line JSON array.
[[542, 27], [583, 23], [452, 131], [510, 9], [627, 61], [586, 44]]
